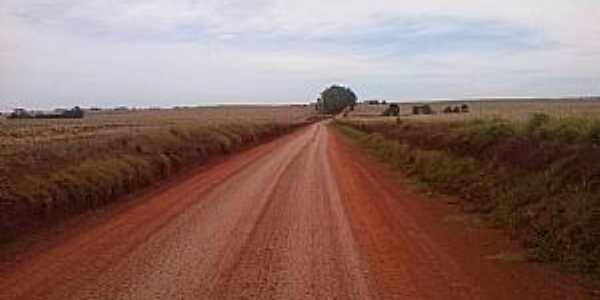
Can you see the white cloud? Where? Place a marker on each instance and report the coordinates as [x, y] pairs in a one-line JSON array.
[[66, 52]]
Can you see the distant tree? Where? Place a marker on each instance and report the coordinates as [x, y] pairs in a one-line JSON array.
[[20, 113], [464, 108], [75, 113], [335, 99]]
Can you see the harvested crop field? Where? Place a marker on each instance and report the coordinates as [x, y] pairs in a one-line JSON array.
[[513, 109], [52, 167]]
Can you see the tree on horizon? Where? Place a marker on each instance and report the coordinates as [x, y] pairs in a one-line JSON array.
[[335, 99]]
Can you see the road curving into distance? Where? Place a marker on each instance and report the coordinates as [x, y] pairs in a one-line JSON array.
[[302, 217]]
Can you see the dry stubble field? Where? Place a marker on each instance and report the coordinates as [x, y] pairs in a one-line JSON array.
[[518, 110], [54, 166]]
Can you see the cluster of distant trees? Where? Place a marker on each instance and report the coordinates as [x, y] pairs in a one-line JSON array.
[[375, 102], [74, 113], [335, 99], [464, 108]]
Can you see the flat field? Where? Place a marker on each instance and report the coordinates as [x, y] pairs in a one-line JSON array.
[[20, 139], [50, 165], [511, 109], [110, 122]]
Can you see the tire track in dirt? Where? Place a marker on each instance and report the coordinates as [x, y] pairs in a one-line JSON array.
[[300, 247], [196, 249], [401, 256]]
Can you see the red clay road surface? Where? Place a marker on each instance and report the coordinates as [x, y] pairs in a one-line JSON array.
[[302, 217]]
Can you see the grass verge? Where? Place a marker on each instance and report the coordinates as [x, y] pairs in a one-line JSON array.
[[537, 179]]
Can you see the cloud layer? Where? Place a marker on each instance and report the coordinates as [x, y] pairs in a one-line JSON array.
[[67, 52]]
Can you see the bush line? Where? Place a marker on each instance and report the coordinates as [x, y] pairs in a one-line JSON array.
[[542, 187]]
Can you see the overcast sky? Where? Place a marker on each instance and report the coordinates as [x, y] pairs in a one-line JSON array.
[[177, 52]]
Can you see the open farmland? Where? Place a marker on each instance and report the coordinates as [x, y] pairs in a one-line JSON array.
[[114, 122], [532, 168], [62, 165], [434, 150], [513, 109], [302, 214]]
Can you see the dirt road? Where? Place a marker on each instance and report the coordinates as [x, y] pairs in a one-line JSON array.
[[302, 217]]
